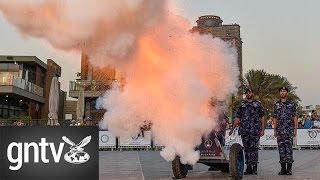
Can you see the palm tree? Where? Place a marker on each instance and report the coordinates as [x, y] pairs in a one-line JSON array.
[[265, 87]]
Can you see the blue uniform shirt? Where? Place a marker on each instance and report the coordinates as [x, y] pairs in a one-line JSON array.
[[308, 124], [284, 113], [250, 114]]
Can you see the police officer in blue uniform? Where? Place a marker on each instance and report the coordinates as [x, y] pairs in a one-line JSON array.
[[250, 115], [286, 123]]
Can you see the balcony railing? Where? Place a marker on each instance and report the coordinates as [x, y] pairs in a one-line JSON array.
[[90, 85], [23, 84]]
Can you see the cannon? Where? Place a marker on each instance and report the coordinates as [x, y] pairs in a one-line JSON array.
[[216, 155]]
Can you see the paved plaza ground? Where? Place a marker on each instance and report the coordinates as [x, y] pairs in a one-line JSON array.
[[149, 165]]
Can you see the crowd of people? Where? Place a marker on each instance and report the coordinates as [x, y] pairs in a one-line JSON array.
[[304, 121], [86, 122]]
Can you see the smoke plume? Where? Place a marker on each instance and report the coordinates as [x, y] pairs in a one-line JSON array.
[[171, 74]]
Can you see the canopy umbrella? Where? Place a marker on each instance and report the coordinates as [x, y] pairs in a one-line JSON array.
[[26, 78], [80, 105], [53, 102]]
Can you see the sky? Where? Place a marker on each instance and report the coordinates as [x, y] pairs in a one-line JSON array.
[[281, 37]]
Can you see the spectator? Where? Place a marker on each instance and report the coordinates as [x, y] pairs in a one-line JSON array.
[[272, 124], [316, 123], [269, 124], [304, 118], [308, 123], [19, 123], [145, 127], [87, 122], [300, 122], [314, 115], [73, 123]]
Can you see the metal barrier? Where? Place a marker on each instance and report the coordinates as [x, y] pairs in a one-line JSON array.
[[107, 141], [142, 141], [268, 140], [306, 138]]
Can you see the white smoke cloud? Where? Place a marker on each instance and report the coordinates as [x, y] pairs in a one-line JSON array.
[[99, 28], [171, 73], [170, 82]]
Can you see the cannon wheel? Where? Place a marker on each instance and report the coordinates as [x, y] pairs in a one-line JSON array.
[[179, 170], [236, 163]]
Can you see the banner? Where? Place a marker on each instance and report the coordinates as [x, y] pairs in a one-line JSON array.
[[308, 137], [210, 148], [140, 140], [106, 140], [268, 138]]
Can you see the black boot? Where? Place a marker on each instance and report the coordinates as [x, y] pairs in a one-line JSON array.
[[248, 170], [289, 168], [254, 169], [283, 170]]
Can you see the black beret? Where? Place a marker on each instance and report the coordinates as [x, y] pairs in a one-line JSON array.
[[283, 88], [248, 90]]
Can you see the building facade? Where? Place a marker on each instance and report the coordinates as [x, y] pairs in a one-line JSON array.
[[308, 109], [211, 24], [95, 80], [25, 85], [70, 110]]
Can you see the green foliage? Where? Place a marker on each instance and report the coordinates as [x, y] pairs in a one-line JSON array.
[[265, 87], [20, 118], [24, 119], [43, 121]]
